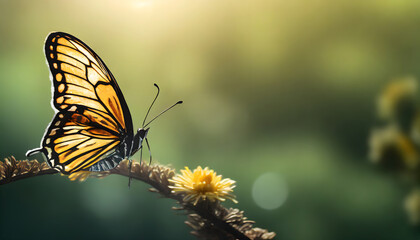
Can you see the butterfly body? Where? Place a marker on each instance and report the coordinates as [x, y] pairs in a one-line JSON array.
[[126, 149], [92, 128]]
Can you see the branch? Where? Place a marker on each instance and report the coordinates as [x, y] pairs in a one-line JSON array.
[[209, 220], [12, 170]]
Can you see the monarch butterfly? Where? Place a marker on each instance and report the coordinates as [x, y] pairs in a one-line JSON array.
[[92, 128]]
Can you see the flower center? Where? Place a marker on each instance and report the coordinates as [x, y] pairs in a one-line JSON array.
[[204, 184]]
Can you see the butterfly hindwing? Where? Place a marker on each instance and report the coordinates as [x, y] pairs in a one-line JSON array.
[[92, 121], [73, 142]]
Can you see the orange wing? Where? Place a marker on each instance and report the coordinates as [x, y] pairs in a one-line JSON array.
[[81, 78], [92, 117], [73, 142]]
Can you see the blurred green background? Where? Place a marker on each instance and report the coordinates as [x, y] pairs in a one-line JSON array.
[[278, 95]]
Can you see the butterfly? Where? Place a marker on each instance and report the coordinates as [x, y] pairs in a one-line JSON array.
[[92, 129]]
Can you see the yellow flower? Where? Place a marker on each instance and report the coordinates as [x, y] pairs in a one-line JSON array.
[[398, 92], [412, 206], [389, 146], [202, 184]]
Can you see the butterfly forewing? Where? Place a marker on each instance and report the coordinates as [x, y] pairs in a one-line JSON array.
[[92, 118], [81, 78]]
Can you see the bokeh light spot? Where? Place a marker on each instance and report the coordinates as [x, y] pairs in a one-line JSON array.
[[269, 191]]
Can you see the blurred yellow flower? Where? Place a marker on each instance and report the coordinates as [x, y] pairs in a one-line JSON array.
[[412, 206], [202, 184], [415, 128], [389, 146], [394, 94]]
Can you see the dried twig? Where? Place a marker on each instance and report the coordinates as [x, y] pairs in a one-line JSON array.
[[209, 220], [12, 170]]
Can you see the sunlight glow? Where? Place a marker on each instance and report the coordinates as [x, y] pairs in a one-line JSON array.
[[141, 3]]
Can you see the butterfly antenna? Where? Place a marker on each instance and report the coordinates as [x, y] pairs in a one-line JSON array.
[[179, 102], [154, 100]]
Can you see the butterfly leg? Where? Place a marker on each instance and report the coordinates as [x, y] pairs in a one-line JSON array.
[[129, 172], [141, 154], [150, 153], [33, 151]]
